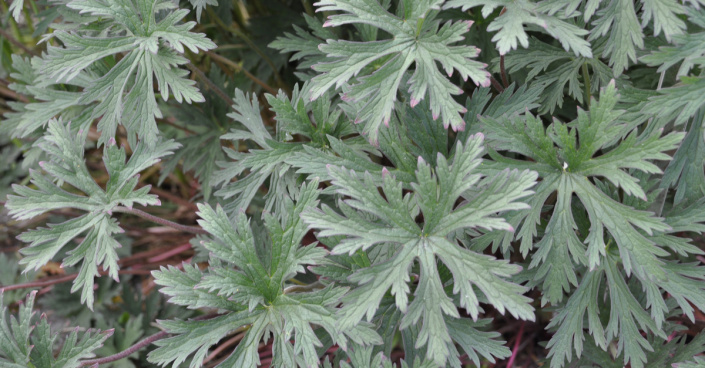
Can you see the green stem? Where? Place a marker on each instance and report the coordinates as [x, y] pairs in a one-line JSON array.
[[239, 68], [27, 16], [586, 81], [308, 8], [249, 43], [419, 25], [34, 7], [231, 47], [13, 23], [16, 42], [212, 86]]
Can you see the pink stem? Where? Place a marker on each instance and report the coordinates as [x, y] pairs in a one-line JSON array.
[[58, 280], [159, 220], [127, 352], [170, 253], [515, 350]]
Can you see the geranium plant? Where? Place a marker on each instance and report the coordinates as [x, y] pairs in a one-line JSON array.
[[352, 183]]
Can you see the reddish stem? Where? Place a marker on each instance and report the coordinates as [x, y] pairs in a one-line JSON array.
[[515, 350], [232, 341], [496, 85], [66, 278], [159, 220], [169, 254], [503, 72], [123, 262], [125, 353], [174, 198]]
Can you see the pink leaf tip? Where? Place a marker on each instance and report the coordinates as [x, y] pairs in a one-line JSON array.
[[327, 24], [414, 102], [480, 136], [42, 163], [420, 160], [111, 141], [468, 24], [386, 121], [385, 172], [158, 202], [434, 115]]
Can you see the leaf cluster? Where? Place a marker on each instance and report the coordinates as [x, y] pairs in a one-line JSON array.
[[388, 177]]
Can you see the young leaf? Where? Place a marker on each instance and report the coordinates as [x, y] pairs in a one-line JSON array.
[[317, 122], [24, 344], [418, 38], [556, 71], [67, 166], [515, 14], [255, 293], [125, 94], [371, 220], [565, 168], [200, 5], [687, 49], [303, 44], [619, 18]]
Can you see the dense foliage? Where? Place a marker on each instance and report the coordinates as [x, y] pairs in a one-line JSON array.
[[352, 183]]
